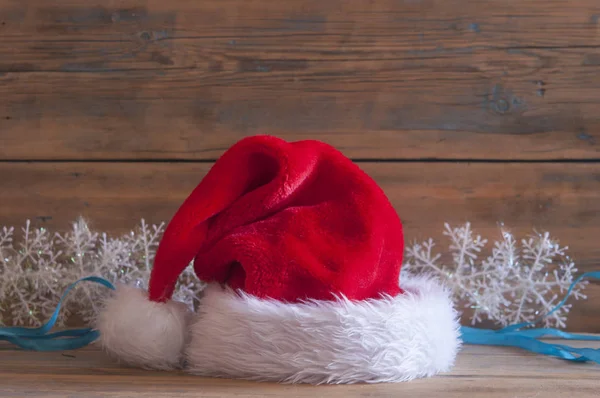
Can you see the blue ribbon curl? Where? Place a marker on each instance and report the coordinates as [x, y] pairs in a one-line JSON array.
[[520, 335], [38, 339]]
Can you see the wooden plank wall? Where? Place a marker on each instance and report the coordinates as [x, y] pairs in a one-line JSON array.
[[481, 111]]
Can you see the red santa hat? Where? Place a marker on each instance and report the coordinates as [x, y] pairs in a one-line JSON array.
[[302, 251]]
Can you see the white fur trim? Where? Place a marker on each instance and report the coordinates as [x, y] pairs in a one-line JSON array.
[[391, 339], [141, 332]]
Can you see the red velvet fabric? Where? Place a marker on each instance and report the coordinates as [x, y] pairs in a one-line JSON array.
[[289, 221]]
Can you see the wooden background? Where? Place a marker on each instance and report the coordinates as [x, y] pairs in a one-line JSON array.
[[481, 111]]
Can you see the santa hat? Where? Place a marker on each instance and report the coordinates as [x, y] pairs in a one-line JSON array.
[[302, 252]]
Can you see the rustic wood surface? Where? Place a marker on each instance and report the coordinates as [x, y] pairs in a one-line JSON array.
[[479, 372], [386, 79], [563, 199]]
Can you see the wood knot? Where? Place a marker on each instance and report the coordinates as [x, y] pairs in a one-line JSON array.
[[501, 106], [146, 36]]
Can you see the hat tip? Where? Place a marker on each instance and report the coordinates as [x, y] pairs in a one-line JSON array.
[[141, 332]]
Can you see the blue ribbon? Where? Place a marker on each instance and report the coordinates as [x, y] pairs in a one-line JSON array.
[[38, 339], [521, 336]]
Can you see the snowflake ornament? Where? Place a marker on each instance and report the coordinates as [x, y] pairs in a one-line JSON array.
[[515, 283], [35, 271]]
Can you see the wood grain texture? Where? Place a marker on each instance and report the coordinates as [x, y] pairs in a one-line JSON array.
[[386, 79], [561, 198], [479, 372]]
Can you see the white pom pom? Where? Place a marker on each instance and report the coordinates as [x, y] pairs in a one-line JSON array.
[[141, 332]]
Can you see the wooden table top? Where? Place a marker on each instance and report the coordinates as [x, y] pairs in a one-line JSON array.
[[479, 371]]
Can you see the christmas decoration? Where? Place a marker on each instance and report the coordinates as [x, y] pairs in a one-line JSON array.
[[302, 251], [36, 266], [492, 289], [516, 283]]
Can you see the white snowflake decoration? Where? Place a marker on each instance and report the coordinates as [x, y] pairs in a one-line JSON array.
[[30, 274], [35, 272], [515, 283]]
